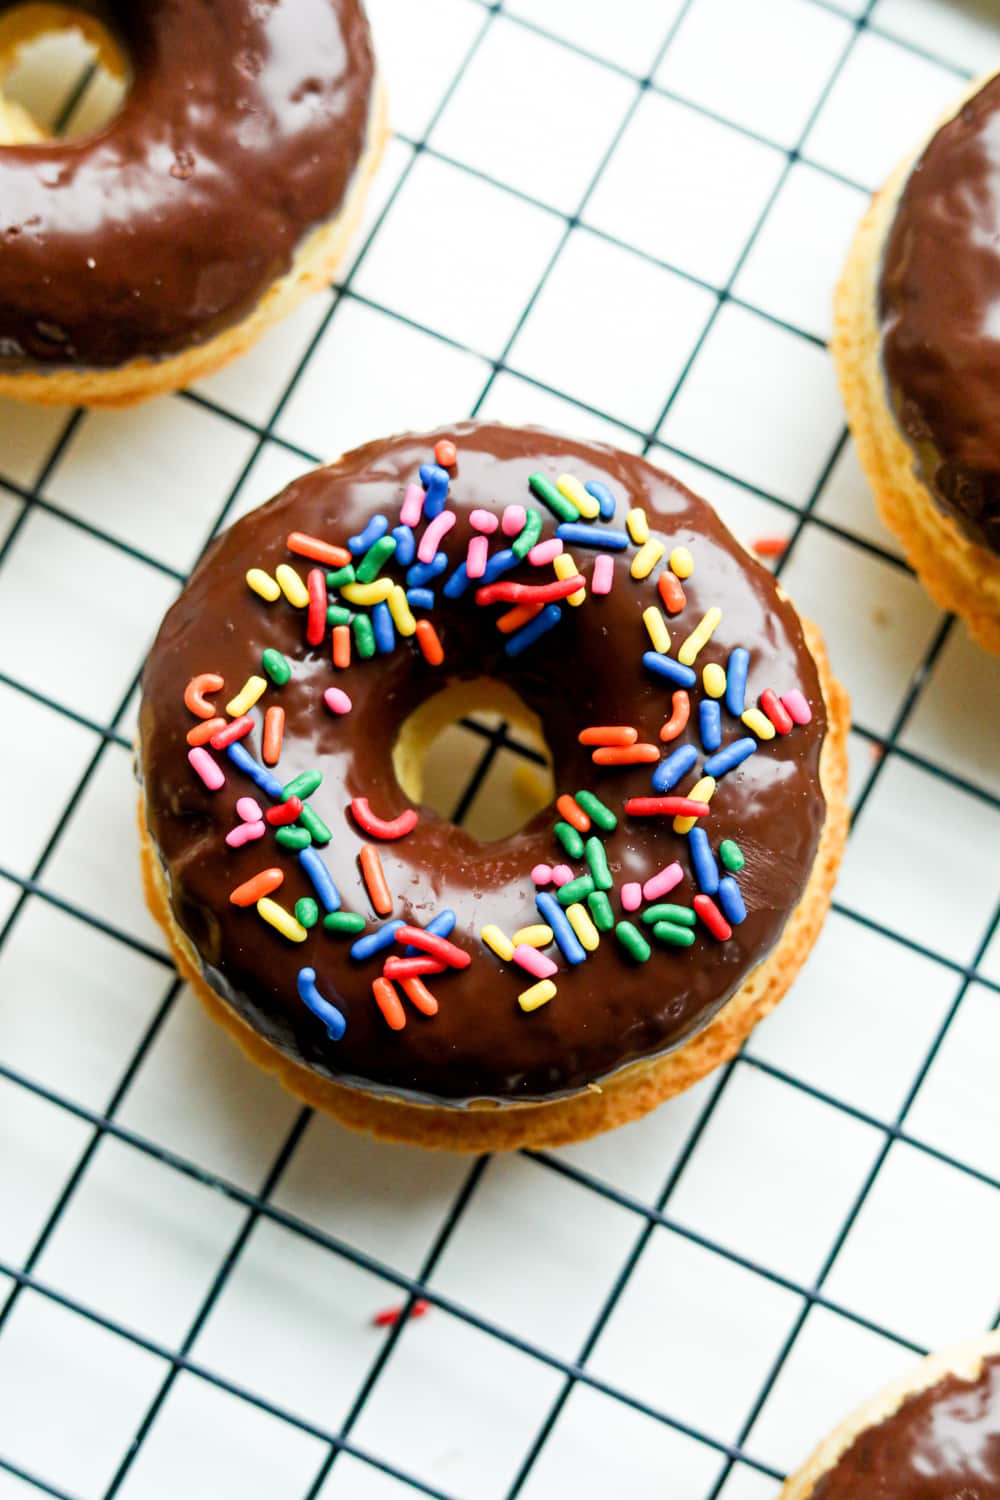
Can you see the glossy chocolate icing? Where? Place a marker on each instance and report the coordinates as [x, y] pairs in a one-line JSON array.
[[240, 132], [941, 1444], [607, 1012], [939, 305]]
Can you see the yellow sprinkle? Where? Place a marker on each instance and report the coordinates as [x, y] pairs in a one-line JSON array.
[[565, 567], [656, 626], [536, 995], [700, 792], [536, 936], [282, 920], [638, 526], [572, 488], [263, 584], [291, 585], [498, 940], [700, 636], [714, 678], [759, 723], [368, 593], [402, 615], [681, 562], [646, 558], [247, 696], [579, 920]]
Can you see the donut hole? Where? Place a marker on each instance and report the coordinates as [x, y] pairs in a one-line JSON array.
[[477, 755], [62, 74]]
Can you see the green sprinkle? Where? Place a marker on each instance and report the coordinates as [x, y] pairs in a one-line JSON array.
[[575, 890], [314, 826], [598, 862], [731, 855], [570, 839], [378, 553], [529, 533], [336, 614], [667, 912], [557, 503], [364, 636], [633, 942], [293, 837], [303, 785], [669, 932], [306, 911], [276, 666], [338, 578], [600, 910], [597, 811], [344, 922]]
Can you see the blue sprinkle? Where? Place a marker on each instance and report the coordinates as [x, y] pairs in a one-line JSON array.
[[383, 628], [710, 723], [729, 758], [322, 881], [500, 562], [377, 527], [603, 496], [529, 634], [422, 573], [332, 1018], [435, 481], [549, 909], [406, 545], [706, 871], [258, 774], [420, 598], [677, 764], [582, 535], [440, 926], [373, 942], [673, 671], [731, 900], [736, 680], [456, 583]]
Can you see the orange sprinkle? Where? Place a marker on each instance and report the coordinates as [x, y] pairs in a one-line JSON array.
[[374, 877], [625, 755], [252, 891], [608, 734], [430, 645], [518, 616], [389, 1003], [445, 453], [568, 808], [274, 729], [194, 699], [318, 551], [202, 733], [671, 592], [421, 996], [770, 546], [681, 706], [342, 645]]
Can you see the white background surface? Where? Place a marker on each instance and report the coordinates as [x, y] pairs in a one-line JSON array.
[[623, 220]]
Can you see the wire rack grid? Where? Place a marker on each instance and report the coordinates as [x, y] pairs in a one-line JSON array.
[[188, 1262]]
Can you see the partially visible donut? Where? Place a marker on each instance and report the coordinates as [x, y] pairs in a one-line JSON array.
[[144, 257], [654, 975]]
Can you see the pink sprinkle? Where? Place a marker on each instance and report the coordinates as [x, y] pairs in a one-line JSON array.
[[207, 768], [514, 517], [658, 885], [248, 810], [337, 701], [798, 709], [632, 896], [604, 574], [438, 529], [561, 874], [543, 552], [536, 963], [244, 832], [542, 874], [484, 521], [479, 550], [413, 505]]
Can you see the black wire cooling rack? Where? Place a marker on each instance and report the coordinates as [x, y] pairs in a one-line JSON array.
[[258, 1205]]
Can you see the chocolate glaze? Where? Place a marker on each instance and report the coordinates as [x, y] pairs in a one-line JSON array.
[[941, 1444], [939, 305], [588, 670], [240, 132]]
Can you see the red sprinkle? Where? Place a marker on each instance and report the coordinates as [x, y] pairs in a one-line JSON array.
[[411, 968], [389, 1003], [202, 732], [445, 453], [382, 828], [430, 645], [568, 808], [675, 725], [284, 812], [776, 711], [391, 1315], [274, 730], [252, 891], [194, 693], [417, 991], [673, 596], [770, 546], [608, 734], [375, 881], [236, 729], [341, 645], [317, 551], [712, 918], [316, 616], [625, 755], [529, 593], [666, 807], [437, 947]]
